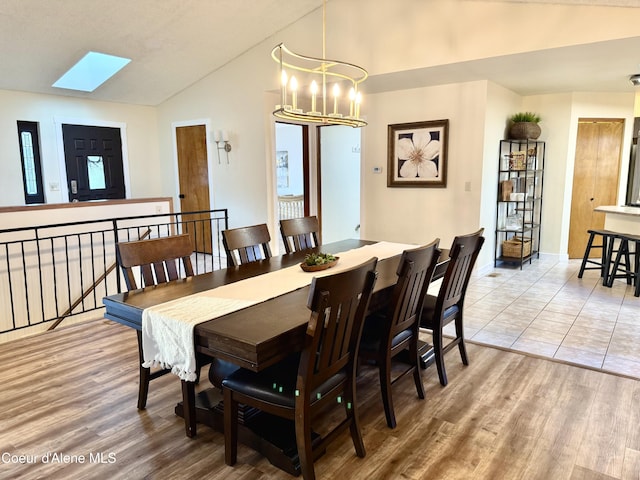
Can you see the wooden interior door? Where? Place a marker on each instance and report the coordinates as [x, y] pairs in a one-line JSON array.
[[595, 178], [193, 172]]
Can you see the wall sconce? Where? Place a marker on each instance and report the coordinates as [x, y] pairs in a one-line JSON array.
[[222, 137]]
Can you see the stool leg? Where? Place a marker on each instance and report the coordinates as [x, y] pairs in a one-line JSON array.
[[623, 252], [627, 264], [607, 253], [636, 271], [586, 255]]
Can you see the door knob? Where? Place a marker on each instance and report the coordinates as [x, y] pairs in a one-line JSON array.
[[182, 195]]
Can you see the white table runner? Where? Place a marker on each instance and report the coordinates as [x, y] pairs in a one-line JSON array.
[[167, 329]]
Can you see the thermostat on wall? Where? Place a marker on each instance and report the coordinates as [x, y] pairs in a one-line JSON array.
[[377, 169]]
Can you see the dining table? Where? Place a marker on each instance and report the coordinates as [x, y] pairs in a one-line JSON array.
[[252, 337]]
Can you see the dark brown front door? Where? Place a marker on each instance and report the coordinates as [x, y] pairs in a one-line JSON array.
[[193, 172], [93, 157]]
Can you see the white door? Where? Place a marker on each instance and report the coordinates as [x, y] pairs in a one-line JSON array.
[[340, 182]]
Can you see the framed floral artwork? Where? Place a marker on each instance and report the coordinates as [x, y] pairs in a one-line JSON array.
[[417, 154]]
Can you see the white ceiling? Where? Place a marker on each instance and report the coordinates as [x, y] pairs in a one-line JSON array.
[[174, 43]]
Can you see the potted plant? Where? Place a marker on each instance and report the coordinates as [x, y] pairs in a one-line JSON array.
[[524, 126]]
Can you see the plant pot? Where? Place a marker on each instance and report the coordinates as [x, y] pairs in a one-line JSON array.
[[524, 131]]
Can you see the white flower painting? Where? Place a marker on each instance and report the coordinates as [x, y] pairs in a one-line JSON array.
[[417, 154]]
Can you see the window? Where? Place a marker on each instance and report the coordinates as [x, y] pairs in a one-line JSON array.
[[31, 168], [95, 168]]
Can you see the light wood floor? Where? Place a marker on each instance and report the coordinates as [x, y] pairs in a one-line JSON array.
[[506, 416]]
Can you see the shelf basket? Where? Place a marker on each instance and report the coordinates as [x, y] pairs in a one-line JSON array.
[[514, 246]]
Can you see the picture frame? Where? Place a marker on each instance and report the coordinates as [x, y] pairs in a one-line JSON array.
[[417, 154], [282, 168]]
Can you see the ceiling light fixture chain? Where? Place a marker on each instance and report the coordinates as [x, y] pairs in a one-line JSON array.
[[311, 73]]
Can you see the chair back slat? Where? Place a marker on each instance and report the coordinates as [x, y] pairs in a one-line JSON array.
[[338, 303], [414, 275], [299, 233], [157, 259], [248, 243], [463, 254]]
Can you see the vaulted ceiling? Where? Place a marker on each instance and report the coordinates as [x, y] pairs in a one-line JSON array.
[[174, 43]]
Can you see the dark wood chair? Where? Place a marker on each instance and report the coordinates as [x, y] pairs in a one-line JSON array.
[[159, 261], [448, 305], [394, 331], [299, 233], [305, 384], [249, 243]]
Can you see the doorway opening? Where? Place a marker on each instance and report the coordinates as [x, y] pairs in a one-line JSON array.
[[339, 182], [292, 170], [328, 187]]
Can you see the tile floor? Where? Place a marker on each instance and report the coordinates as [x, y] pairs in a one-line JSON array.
[[546, 310]]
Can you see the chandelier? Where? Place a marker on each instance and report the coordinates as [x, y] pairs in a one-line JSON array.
[[318, 90]]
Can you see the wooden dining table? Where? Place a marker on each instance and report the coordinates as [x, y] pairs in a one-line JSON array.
[[254, 337]]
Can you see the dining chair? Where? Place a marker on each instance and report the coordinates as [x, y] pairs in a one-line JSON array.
[[448, 305], [305, 384], [299, 233], [249, 243], [158, 261], [394, 330]]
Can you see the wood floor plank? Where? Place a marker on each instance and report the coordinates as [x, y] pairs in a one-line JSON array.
[[73, 392], [602, 449], [631, 465]]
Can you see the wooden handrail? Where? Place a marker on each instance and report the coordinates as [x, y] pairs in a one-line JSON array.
[[88, 291]]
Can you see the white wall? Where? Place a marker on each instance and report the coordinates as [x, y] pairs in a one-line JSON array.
[[560, 114], [232, 99], [141, 137], [418, 215], [400, 35], [500, 105], [395, 36]]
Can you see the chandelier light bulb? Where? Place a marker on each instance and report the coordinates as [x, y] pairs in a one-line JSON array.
[[336, 94], [283, 80], [352, 97]]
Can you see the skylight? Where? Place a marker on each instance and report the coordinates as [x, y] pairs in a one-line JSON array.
[[91, 71]]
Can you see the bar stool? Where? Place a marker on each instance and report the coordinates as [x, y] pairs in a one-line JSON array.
[[607, 238], [630, 270]]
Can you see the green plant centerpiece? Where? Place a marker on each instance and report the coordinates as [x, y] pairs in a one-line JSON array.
[[318, 261], [524, 126]]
